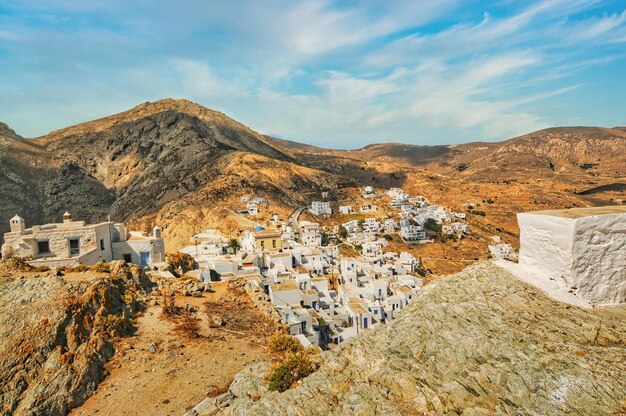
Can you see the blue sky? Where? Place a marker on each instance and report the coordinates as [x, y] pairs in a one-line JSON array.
[[333, 73]]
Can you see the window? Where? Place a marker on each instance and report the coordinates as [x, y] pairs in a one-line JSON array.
[[303, 327], [43, 247], [128, 258], [74, 244], [273, 243], [101, 244], [262, 244]]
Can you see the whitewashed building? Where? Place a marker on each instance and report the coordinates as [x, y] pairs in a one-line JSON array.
[[413, 233], [75, 242], [320, 208]]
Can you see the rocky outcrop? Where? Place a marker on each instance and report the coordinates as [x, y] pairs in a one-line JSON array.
[[477, 343], [56, 334]]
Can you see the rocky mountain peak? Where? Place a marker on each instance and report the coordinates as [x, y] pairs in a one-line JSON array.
[[7, 131]]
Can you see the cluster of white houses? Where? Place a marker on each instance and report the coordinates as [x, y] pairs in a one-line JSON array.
[[322, 297], [75, 242], [252, 206], [413, 213]]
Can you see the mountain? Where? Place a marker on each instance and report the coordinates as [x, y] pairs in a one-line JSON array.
[[181, 165], [478, 343], [157, 161], [565, 151]]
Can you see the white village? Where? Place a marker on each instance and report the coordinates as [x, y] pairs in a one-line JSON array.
[[297, 267]]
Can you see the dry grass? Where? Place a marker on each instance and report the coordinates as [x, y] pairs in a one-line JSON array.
[[188, 324]]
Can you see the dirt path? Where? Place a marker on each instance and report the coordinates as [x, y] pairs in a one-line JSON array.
[[159, 372]]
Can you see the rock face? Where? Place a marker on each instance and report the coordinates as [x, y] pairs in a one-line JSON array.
[[477, 343], [582, 247], [56, 335]]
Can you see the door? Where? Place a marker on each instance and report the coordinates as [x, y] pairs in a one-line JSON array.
[[144, 257]]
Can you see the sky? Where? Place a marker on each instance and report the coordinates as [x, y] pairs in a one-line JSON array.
[[339, 74]]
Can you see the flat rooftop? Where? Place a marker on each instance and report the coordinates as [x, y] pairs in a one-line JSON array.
[[574, 213]]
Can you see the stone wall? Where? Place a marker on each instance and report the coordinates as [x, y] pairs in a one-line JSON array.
[[262, 301]]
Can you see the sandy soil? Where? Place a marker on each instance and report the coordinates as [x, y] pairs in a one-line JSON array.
[[160, 372]]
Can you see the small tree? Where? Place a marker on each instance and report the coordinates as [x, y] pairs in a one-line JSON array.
[[293, 368], [343, 233], [234, 245], [431, 224]]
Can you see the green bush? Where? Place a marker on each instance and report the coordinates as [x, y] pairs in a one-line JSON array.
[[287, 372], [431, 224]]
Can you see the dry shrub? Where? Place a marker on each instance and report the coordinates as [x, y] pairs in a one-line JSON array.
[[282, 344], [77, 269], [101, 267], [221, 389], [18, 264], [169, 304], [180, 262], [188, 324]]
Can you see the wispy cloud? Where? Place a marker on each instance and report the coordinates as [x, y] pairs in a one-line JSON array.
[[325, 71]]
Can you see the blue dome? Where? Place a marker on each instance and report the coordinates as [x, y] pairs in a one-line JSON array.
[[259, 228]]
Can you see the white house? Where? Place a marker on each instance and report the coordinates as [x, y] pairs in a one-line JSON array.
[[75, 242], [502, 251], [371, 226], [413, 233], [311, 234], [368, 208], [346, 209], [368, 192], [320, 208], [389, 226], [455, 228], [286, 293], [252, 208]]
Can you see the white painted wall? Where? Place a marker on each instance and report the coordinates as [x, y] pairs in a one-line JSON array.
[[586, 254], [546, 244], [599, 260]]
